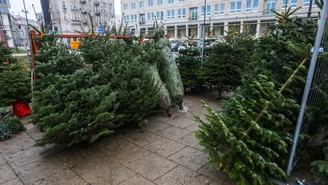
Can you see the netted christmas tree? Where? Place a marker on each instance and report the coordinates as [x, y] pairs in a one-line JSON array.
[[84, 96], [251, 137], [14, 80]]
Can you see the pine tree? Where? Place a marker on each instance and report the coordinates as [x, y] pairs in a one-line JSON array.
[[251, 137], [14, 81], [85, 96], [189, 66]]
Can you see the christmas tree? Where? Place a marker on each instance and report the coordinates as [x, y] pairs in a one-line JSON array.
[[250, 139], [14, 81]]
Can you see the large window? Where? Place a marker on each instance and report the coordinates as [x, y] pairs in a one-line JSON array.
[[171, 1], [150, 16], [194, 13], [141, 4], [208, 10], [270, 5], [133, 18], [216, 9], [133, 6], [232, 7], [168, 14], [125, 6], [238, 9], [293, 3], [126, 18], [172, 14], [255, 5], [159, 2], [248, 6], [222, 9], [184, 12], [150, 3], [159, 15]]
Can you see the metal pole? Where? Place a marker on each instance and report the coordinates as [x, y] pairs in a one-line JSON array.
[[203, 34], [28, 46], [307, 86], [310, 9]]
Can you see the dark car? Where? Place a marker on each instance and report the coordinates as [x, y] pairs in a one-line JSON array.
[[175, 47]]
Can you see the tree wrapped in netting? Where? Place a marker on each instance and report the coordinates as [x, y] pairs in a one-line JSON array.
[[104, 87]]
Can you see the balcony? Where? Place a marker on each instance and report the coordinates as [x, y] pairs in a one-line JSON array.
[[268, 12], [84, 11], [97, 12], [83, 1], [97, 3]]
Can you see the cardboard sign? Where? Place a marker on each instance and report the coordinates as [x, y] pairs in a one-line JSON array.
[[75, 44]]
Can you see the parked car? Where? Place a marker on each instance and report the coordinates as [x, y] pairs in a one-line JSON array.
[[174, 44], [177, 46]]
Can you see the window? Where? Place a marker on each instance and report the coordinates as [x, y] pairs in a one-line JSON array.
[[238, 10], [64, 4], [208, 10], [184, 12], [216, 9], [126, 18], [150, 3], [65, 16], [159, 15], [71, 5], [168, 14], [255, 5], [133, 6], [284, 4], [171, 1], [222, 8], [306, 3], [293, 3], [141, 4], [133, 18], [125, 6], [179, 13], [194, 13], [232, 7], [172, 14], [181, 1], [149, 16], [159, 2], [248, 6]]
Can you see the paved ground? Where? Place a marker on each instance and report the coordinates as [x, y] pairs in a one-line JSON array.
[[163, 152]]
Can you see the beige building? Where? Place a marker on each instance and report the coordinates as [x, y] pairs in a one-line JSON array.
[[183, 18], [70, 15]]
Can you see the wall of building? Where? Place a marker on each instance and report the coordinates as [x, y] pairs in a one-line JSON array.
[[188, 13]]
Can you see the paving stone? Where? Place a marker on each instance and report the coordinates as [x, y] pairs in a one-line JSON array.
[[33, 131], [111, 173], [181, 122], [38, 170], [152, 167], [16, 143], [142, 138], [63, 177], [137, 180], [128, 155], [190, 158], [165, 147], [27, 156], [192, 128], [13, 182], [154, 126], [173, 133], [6, 173], [81, 160], [182, 175], [191, 140], [218, 176], [2, 160]]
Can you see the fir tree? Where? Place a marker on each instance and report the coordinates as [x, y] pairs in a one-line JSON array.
[[14, 81]]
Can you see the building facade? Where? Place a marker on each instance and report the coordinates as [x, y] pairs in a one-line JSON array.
[[184, 18], [69, 16]]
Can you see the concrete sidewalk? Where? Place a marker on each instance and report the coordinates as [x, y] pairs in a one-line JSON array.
[[163, 152]]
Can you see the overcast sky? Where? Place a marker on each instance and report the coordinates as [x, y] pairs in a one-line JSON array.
[[17, 7]]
